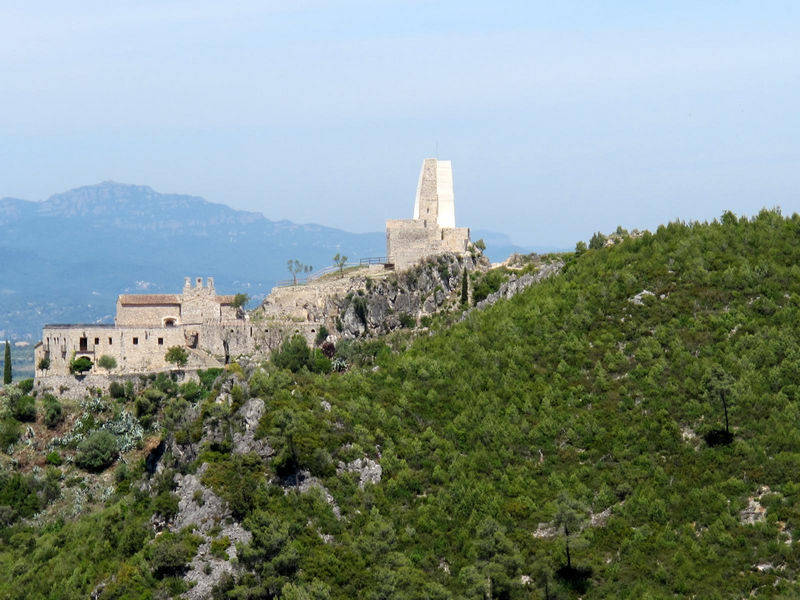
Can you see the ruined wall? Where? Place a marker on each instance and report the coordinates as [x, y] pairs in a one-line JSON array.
[[455, 239]]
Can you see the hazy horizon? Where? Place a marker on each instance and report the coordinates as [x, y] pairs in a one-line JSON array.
[[560, 120]]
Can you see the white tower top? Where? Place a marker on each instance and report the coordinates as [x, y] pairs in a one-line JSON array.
[[435, 189]]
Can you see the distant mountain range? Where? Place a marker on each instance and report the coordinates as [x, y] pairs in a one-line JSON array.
[[67, 258]]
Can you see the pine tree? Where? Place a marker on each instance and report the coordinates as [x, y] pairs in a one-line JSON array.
[[7, 364]]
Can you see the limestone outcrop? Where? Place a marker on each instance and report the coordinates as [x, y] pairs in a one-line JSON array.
[[370, 301]]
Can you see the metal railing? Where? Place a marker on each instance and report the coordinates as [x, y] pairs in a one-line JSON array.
[[314, 276], [374, 260]]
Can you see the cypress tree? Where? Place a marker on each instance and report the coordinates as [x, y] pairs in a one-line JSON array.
[[7, 364], [464, 288]]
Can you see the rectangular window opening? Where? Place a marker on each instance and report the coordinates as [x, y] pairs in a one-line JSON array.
[[110, 340], [96, 341], [160, 341], [135, 341]]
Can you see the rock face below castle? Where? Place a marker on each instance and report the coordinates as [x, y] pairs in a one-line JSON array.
[[433, 229]]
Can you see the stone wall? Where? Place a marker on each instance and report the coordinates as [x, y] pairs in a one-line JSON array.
[[78, 387]]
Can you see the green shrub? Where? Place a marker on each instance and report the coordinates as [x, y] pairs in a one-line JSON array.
[[177, 355], [219, 547], [97, 452], [407, 321], [107, 362], [116, 390], [489, 283], [208, 377], [54, 458], [53, 414], [170, 554], [19, 493], [294, 354], [80, 365], [23, 408], [25, 386], [191, 391], [166, 504], [9, 433]]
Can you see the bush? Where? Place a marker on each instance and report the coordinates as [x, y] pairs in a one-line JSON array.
[[54, 458], [23, 408], [294, 354], [240, 300], [329, 349], [177, 355], [9, 433], [208, 377], [219, 547], [166, 504], [44, 364], [407, 321], [116, 390], [170, 554], [107, 362], [18, 493], [53, 414], [97, 452], [80, 365], [25, 386], [191, 391]]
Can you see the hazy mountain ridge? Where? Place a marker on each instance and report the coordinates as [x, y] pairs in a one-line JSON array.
[[68, 257]]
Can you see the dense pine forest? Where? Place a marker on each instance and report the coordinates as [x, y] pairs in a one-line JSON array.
[[625, 429]]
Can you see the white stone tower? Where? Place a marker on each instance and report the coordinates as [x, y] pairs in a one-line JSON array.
[[433, 229]]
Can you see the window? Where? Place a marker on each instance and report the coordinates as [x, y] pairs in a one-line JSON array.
[[96, 341], [160, 341], [135, 341], [83, 344], [110, 341]]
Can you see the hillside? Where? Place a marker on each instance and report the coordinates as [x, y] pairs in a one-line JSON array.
[[583, 420]]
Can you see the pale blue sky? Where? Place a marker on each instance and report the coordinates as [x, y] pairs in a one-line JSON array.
[[561, 118]]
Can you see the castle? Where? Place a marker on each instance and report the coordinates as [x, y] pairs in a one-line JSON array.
[[433, 229], [207, 325], [213, 331]]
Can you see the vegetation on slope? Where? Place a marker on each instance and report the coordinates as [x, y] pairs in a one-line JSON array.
[[558, 444]]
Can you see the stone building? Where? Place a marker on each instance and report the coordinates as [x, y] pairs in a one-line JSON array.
[[433, 229], [204, 323]]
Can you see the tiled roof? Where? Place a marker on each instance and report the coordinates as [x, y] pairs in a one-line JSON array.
[[161, 299], [141, 299]]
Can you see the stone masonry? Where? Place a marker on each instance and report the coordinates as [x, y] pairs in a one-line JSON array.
[[433, 229], [206, 324]]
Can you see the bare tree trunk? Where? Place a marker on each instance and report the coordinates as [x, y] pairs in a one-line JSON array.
[[725, 408], [566, 539]]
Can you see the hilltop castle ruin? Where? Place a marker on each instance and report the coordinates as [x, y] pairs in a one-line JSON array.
[[214, 332], [433, 229], [206, 324]]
